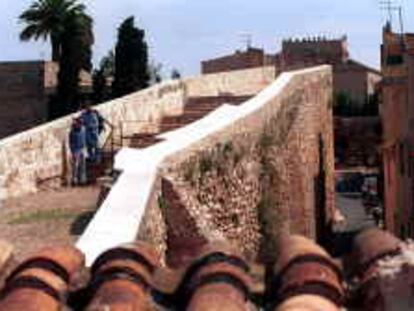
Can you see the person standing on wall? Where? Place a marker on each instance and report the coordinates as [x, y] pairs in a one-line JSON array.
[[94, 125], [77, 145]]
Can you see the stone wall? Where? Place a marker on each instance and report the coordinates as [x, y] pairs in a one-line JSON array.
[[238, 82], [39, 157], [314, 50], [269, 172], [22, 96], [357, 142], [242, 173], [250, 58]]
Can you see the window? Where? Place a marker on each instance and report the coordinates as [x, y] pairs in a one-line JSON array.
[[393, 60]]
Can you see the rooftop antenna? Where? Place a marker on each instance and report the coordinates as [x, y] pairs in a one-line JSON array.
[[400, 14], [247, 39], [387, 5], [391, 8]]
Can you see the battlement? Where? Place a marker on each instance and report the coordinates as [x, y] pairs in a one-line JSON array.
[[317, 39], [319, 49]]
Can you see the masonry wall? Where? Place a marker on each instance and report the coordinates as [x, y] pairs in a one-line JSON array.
[[314, 50], [397, 116], [38, 158], [251, 58], [357, 142], [22, 96], [352, 83], [268, 173], [237, 82]]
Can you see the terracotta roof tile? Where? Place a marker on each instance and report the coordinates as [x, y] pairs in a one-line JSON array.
[[130, 277]]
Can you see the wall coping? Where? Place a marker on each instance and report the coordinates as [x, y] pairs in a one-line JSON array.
[[66, 119], [131, 194]]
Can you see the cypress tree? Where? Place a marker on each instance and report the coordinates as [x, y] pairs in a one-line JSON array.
[[100, 90], [131, 59]]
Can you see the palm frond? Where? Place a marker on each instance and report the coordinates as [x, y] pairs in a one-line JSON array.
[[28, 33]]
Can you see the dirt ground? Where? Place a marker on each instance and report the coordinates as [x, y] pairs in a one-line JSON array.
[[46, 218]]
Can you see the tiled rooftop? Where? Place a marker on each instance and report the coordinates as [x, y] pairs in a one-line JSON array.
[[132, 277]]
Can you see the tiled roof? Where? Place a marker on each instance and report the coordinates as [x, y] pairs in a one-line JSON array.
[[130, 277]]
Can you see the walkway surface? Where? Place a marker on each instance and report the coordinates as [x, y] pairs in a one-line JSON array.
[[351, 207], [60, 216], [357, 220], [46, 218]]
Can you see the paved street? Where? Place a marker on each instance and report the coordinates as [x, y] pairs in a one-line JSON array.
[[352, 209]]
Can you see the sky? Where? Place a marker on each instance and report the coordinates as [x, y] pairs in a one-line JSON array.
[[181, 33]]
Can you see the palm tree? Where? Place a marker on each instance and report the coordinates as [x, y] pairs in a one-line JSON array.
[[69, 29], [47, 19]]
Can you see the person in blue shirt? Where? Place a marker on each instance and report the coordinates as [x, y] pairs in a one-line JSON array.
[[77, 145], [93, 123]]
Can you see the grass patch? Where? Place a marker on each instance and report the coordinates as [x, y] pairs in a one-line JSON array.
[[162, 203], [42, 215], [206, 163]]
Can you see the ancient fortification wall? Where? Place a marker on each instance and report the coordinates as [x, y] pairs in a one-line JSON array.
[[22, 95], [39, 157], [268, 172], [238, 82], [33, 158], [242, 173]]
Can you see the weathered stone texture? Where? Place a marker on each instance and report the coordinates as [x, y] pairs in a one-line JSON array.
[[39, 157], [31, 158], [238, 83], [357, 141], [250, 58], [22, 96], [154, 230], [269, 172]]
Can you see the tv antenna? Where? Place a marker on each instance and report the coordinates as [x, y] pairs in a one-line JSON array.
[[247, 39], [389, 6]]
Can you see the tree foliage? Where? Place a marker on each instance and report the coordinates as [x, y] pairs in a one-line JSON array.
[[47, 19], [107, 64], [76, 41], [131, 59], [155, 72], [101, 77], [175, 74], [100, 87]]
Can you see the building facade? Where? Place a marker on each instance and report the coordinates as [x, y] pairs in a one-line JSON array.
[[251, 58], [25, 87], [24, 90], [299, 53], [351, 78], [354, 79], [397, 112]]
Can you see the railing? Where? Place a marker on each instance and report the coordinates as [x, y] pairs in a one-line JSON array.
[[135, 191], [110, 140], [124, 135]]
